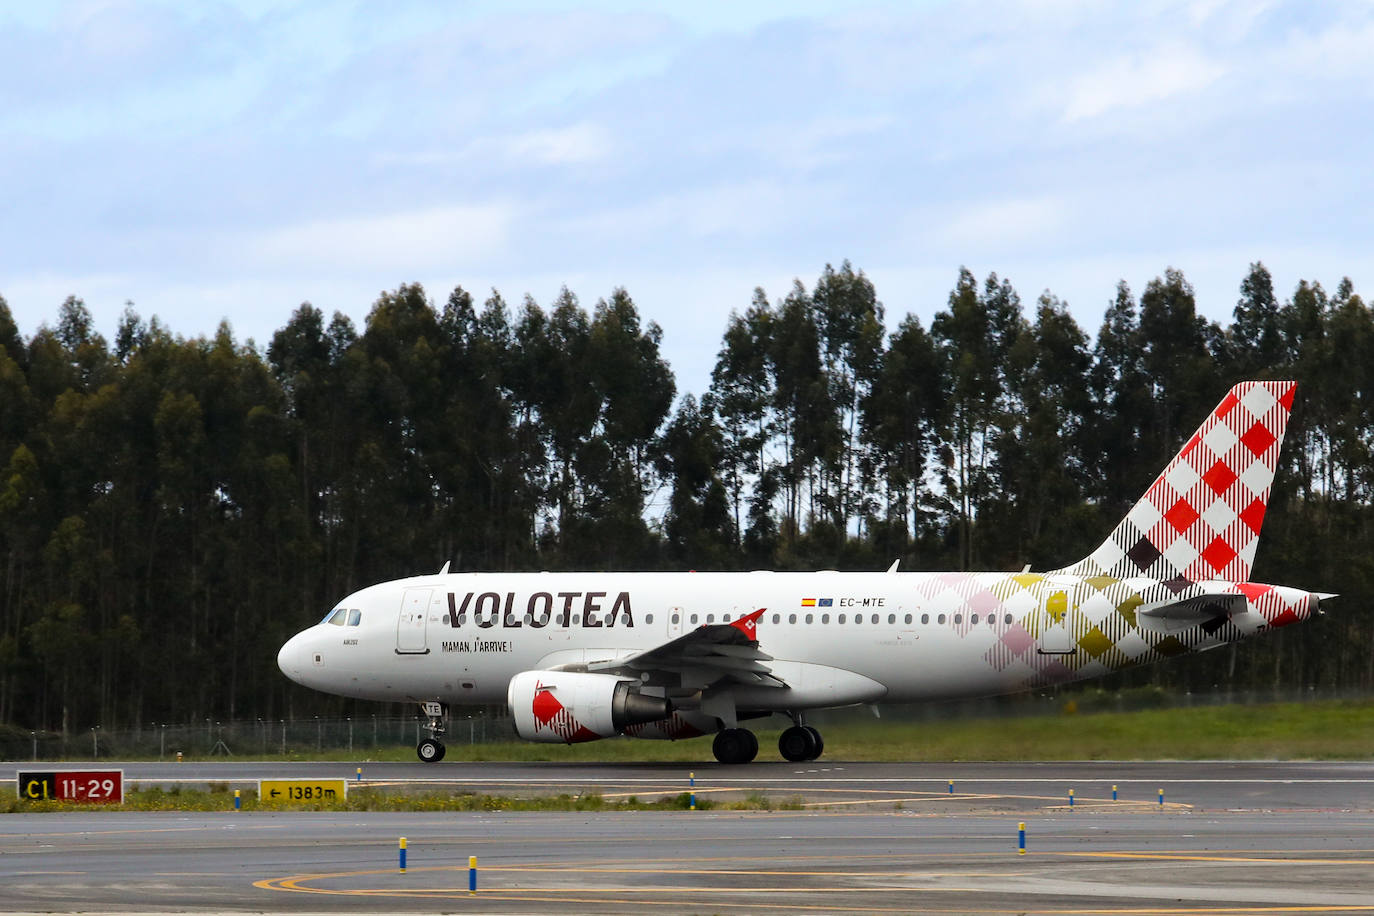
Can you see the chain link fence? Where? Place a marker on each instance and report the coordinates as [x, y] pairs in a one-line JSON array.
[[361, 735], [246, 738]]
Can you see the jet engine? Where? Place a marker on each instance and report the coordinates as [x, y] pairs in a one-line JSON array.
[[573, 706]]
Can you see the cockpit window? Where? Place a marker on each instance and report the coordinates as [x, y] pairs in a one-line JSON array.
[[337, 617], [355, 617]]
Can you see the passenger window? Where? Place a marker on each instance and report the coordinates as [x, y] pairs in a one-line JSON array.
[[677, 618], [892, 618], [724, 618], [791, 618], [777, 618], [577, 619], [648, 618], [875, 618], [710, 618], [908, 618], [958, 618], [337, 618], [1007, 619], [858, 618], [840, 618], [808, 618], [940, 619], [825, 618], [694, 620], [355, 617], [973, 618], [925, 618]]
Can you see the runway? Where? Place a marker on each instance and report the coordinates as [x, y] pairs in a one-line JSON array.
[[879, 838]]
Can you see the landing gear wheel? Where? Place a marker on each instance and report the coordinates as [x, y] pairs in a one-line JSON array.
[[798, 743], [430, 750], [820, 742], [735, 745]]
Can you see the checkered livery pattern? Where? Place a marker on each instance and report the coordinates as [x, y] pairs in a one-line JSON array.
[[1201, 519], [1105, 621]]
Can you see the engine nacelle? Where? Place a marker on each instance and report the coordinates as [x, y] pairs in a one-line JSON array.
[[572, 706]]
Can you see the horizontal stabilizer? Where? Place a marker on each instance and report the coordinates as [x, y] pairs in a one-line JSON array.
[[1191, 611]]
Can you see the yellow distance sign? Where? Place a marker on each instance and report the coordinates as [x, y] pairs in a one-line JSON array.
[[302, 791]]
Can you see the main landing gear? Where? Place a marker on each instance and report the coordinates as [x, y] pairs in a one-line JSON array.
[[797, 744], [431, 749], [735, 745], [800, 743]]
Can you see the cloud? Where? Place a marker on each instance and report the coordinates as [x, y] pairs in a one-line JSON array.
[[451, 236], [1142, 79], [1003, 222]]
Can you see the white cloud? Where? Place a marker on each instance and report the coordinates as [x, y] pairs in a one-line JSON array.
[[451, 236], [1002, 222], [1141, 79]]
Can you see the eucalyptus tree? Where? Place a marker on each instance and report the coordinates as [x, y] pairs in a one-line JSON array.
[[697, 524], [849, 318], [739, 397], [900, 413], [973, 339]]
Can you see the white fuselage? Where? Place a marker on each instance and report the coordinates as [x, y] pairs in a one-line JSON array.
[[835, 638]]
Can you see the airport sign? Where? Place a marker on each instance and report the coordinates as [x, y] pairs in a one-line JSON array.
[[103, 787]]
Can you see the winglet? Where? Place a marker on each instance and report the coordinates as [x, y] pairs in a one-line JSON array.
[[444, 571], [748, 624], [895, 564]]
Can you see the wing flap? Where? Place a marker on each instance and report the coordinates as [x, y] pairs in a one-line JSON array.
[[706, 655]]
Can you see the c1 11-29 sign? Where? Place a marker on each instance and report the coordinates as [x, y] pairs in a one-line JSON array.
[[90, 786]]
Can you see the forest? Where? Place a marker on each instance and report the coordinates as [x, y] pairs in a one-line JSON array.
[[173, 508]]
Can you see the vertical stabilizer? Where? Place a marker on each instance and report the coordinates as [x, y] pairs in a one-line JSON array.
[[1201, 518]]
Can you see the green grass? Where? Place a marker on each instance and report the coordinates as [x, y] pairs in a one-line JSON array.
[[221, 798], [1323, 730], [1320, 730]]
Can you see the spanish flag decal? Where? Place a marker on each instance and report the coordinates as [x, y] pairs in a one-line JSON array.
[[808, 602]]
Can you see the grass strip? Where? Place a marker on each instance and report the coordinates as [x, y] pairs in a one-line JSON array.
[[221, 798]]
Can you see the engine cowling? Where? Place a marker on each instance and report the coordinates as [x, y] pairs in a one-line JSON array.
[[572, 706]]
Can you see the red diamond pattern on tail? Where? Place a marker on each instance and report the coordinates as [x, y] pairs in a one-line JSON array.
[[1218, 554], [1181, 515], [1258, 439], [1202, 515], [1219, 477]]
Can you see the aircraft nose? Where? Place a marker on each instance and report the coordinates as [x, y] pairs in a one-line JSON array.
[[289, 658]]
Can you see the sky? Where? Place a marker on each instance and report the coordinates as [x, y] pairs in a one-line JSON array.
[[229, 160]]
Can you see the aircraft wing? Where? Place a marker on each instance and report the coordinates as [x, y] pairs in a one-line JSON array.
[[701, 657]]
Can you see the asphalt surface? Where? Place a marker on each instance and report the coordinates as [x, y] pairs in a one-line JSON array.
[[878, 838]]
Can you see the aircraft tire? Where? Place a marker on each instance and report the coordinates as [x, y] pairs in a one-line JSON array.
[[430, 750], [820, 742], [798, 744], [735, 745]]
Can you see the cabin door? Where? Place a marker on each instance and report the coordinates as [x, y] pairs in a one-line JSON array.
[[1058, 603], [411, 625]]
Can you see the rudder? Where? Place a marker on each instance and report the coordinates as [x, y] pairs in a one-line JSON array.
[[1201, 517]]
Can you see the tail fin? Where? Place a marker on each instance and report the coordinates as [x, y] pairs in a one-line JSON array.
[[1201, 518]]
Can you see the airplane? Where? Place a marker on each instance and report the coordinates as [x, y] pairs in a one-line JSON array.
[[671, 655]]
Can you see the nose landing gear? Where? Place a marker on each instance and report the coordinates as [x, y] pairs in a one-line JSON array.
[[431, 749]]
